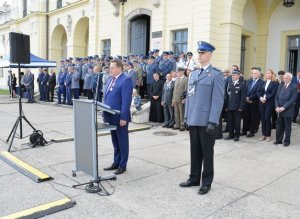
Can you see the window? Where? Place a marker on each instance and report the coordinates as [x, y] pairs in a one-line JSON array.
[[1, 72], [106, 44], [243, 53], [24, 8], [180, 41], [293, 54], [58, 4]]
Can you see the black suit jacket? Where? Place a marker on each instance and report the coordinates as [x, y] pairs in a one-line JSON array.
[[286, 98], [252, 93], [52, 80], [270, 92]]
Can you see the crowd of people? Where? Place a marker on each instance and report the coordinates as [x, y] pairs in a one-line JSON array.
[[270, 100]]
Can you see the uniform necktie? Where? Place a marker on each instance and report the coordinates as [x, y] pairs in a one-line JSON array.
[[201, 70], [111, 84]]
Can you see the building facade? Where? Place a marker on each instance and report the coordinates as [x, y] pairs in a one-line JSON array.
[[261, 33]]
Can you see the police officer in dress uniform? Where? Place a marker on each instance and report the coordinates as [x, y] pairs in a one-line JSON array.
[[204, 104], [235, 102], [61, 86], [165, 66]]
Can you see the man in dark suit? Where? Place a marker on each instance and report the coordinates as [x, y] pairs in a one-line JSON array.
[[284, 106], [235, 102], [166, 102], [51, 84], [251, 113], [118, 95], [204, 103], [297, 105]]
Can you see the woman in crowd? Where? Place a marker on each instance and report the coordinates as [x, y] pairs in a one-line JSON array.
[[156, 110], [267, 93]]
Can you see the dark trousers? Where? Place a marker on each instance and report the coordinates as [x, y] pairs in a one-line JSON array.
[[90, 94], [100, 96], [202, 153], [274, 119], [69, 94], [61, 91], [10, 90], [169, 114], [284, 125], [45, 91], [234, 122], [120, 142], [75, 93], [297, 106], [30, 92], [266, 112], [51, 91], [41, 92], [81, 83], [251, 117]]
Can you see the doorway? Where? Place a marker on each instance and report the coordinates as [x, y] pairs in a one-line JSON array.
[[140, 35]]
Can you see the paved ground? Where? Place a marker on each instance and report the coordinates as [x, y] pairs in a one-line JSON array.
[[252, 179]]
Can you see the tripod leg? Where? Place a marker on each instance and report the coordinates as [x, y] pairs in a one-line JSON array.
[[13, 135], [26, 120], [82, 184], [14, 127]]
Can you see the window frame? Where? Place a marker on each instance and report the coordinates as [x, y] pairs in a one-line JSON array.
[[179, 44]]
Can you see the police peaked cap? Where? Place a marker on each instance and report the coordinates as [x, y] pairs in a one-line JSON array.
[[205, 47]]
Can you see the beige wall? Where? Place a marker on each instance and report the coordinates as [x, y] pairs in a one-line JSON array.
[[220, 22]]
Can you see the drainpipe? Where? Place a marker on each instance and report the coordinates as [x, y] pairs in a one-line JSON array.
[[47, 29]]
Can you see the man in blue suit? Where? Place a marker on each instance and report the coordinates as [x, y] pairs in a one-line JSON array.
[[118, 95]]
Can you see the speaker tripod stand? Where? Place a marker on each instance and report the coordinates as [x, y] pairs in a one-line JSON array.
[[21, 116]]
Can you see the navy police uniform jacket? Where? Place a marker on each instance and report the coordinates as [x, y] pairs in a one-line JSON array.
[[61, 78], [235, 96], [150, 70], [165, 67]]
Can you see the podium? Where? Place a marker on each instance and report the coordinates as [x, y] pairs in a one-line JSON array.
[[86, 126]]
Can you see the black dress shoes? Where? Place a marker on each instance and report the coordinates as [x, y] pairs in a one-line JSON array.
[[189, 183], [229, 137], [165, 126], [112, 167], [277, 142], [236, 138], [243, 133], [250, 135], [204, 190], [286, 144], [120, 170]]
